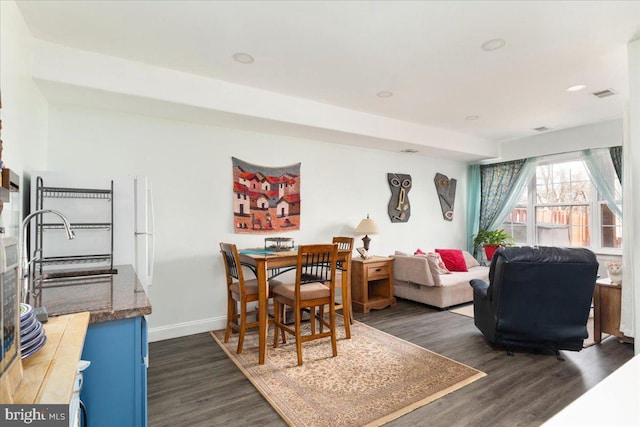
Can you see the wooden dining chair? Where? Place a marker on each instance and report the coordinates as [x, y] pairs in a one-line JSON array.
[[239, 291], [346, 244], [314, 287]]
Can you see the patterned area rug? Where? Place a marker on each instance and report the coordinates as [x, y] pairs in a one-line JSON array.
[[375, 378], [467, 310]]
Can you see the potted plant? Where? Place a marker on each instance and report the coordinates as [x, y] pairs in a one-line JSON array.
[[492, 240]]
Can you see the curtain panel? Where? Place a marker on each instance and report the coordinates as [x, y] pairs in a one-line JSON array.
[[496, 182], [616, 158], [601, 171], [473, 204], [517, 188]]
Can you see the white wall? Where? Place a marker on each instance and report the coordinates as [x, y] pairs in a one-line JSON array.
[[595, 135], [24, 110], [630, 319], [190, 168]]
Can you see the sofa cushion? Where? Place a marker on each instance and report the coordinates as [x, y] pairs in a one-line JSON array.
[[414, 269], [465, 277], [438, 264], [436, 271], [453, 259], [470, 260]]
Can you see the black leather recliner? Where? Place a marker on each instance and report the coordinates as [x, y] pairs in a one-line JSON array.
[[538, 297]]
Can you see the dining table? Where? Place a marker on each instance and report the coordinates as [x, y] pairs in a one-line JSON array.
[[268, 264]]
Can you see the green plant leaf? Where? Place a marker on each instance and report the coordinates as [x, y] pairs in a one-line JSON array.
[[493, 238]]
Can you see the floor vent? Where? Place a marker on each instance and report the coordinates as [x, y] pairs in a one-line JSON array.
[[604, 93]]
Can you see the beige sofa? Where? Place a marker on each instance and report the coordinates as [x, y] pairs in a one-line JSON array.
[[416, 278]]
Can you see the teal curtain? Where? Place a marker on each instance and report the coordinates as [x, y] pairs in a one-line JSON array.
[[496, 182], [519, 185], [602, 172], [473, 204], [616, 158]]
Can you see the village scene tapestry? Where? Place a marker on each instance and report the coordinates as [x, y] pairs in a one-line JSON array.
[[265, 199]]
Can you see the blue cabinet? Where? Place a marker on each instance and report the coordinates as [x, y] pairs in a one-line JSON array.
[[115, 385]]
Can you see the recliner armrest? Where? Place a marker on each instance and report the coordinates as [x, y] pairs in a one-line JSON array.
[[480, 287]]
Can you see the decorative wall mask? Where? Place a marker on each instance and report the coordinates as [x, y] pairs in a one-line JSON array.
[[446, 189], [265, 199], [399, 208]]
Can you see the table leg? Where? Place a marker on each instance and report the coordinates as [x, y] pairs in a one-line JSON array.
[[346, 302], [351, 320], [263, 297], [597, 330]]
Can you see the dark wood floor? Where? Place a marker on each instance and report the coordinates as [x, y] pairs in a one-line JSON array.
[[191, 382]]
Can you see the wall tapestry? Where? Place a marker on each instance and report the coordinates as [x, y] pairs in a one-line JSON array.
[[399, 208], [265, 199], [446, 189]]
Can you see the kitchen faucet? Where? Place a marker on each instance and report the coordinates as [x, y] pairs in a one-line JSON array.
[[25, 264]]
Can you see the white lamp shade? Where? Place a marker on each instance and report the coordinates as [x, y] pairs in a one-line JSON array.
[[367, 226]]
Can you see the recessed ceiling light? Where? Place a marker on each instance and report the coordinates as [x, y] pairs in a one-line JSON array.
[[576, 88], [243, 58], [384, 94], [493, 44], [474, 117]]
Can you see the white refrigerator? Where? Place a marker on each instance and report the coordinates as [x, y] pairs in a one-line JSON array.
[[112, 218]]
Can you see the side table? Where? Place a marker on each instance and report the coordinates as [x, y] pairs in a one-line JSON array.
[[372, 283], [606, 310]]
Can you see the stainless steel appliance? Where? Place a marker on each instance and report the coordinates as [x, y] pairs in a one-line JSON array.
[[10, 364]]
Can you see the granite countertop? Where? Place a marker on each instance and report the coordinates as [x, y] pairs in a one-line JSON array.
[[106, 297]]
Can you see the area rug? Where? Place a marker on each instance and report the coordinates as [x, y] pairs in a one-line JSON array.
[[375, 378], [467, 310]]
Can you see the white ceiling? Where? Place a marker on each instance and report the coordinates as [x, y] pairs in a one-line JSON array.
[[343, 53]]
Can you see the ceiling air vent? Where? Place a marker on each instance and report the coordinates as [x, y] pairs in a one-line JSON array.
[[541, 129], [604, 93], [409, 150]]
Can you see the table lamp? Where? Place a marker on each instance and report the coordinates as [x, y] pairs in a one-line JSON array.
[[366, 227]]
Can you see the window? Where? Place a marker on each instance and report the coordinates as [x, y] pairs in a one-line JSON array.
[[611, 228], [516, 223], [562, 207]]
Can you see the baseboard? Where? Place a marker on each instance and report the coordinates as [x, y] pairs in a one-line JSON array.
[[187, 328]]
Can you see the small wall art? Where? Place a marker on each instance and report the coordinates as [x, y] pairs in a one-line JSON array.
[[399, 208], [265, 199], [446, 189]]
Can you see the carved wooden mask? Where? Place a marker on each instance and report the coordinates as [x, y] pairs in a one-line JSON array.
[[399, 208], [446, 189]]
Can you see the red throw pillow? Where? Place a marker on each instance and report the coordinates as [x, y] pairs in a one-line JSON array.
[[453, 259]]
